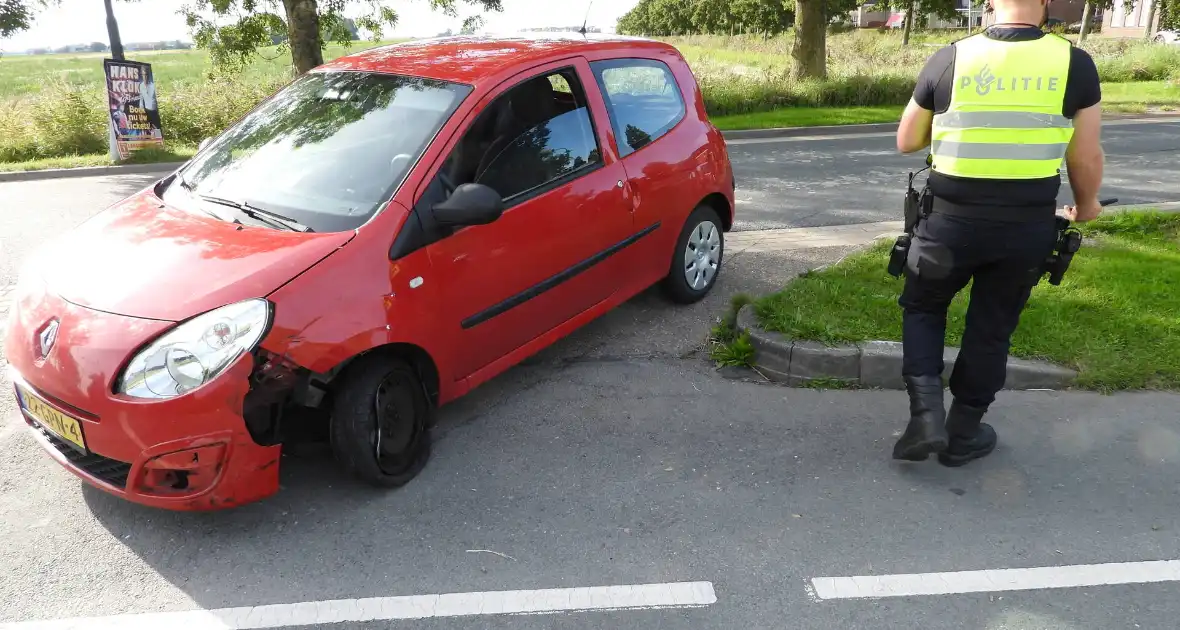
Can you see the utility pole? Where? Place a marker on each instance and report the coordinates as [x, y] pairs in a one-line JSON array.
[[113, 32]]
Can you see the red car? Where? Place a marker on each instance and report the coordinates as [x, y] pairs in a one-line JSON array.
[[379, 237]]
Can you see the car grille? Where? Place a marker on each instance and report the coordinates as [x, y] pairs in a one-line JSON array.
[[105, 469]]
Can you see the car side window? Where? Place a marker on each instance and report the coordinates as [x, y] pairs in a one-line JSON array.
[[533, 136], [643, 99]]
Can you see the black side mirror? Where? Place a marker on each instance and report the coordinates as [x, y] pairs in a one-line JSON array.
[[470, 204]]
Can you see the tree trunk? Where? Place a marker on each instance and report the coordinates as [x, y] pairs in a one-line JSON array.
[[303, 33], [810, 48], [113, 32], [1087, 16], [1148, 30], [909, 24]]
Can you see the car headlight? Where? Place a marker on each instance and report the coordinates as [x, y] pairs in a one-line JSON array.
[[197, 351]]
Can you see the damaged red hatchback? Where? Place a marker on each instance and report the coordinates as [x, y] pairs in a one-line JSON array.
[[382, 235]]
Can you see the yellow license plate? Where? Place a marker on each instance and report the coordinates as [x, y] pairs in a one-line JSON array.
[[56, 422]]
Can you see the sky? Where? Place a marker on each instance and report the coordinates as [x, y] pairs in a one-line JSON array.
[[84, 21]]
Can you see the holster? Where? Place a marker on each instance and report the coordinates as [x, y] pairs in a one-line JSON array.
[[917, 206], [1069, 241]]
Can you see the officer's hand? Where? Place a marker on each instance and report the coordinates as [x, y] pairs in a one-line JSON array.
[[1083, 212]]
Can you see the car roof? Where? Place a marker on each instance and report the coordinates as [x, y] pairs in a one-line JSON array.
[[469, 59]]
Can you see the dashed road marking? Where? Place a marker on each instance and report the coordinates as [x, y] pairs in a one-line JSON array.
[[960, 582], [544, 601]]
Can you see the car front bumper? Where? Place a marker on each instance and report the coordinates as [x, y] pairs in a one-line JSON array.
[[192, 452]]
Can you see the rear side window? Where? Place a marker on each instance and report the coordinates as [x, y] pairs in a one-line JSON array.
[[643, 98]]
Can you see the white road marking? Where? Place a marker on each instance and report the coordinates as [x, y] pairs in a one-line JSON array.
[[959, 582], [595, 598]]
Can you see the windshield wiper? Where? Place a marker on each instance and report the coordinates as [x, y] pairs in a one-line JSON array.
[[184, 183], [188, 187], [266, 216]]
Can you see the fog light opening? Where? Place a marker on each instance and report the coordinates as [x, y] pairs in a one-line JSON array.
[[183, 472], [178, 479]]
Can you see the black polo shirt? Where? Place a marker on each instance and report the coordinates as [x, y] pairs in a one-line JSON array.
[[1082, 89]]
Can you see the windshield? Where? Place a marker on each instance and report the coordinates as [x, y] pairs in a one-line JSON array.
[[326, 151]]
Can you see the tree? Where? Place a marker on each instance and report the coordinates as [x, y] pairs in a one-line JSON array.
[[471, 25], [810, 49], [713, 17], [1169, 14], [303, 22], [113, 32], [17, 15], [768, 17], [663, 18], [1087, 17], [637, 20]]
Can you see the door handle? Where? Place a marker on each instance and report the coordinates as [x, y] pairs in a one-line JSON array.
[[620, 184]]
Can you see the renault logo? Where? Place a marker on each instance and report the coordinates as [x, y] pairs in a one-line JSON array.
[[47, 337]]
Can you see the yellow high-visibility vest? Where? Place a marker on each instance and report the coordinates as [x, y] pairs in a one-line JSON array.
[[1004, 119]]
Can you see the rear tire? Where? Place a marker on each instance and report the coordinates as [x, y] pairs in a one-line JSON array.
[[698, 257], [381, 421]]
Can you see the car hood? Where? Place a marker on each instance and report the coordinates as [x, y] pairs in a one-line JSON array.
[[143, 258]]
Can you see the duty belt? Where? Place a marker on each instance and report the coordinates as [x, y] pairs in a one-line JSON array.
[[1015, 214]]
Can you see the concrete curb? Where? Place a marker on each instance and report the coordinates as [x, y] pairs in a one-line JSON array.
[[90, 171], [873, 364], [838, 130]]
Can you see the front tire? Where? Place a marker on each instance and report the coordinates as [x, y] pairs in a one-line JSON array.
[[697, 259], [381, 421]]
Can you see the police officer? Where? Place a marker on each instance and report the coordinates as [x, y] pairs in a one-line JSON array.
[[1000, 112]]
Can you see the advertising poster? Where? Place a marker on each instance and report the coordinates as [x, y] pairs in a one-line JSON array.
[[135, 118]]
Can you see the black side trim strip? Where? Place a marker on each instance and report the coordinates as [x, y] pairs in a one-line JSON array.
[[553, 281]]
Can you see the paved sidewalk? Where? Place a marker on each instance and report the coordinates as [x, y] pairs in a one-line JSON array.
[[853, 235], [790, 239]]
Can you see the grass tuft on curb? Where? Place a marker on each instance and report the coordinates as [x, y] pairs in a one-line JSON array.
[[728, 346], [1115, 318]]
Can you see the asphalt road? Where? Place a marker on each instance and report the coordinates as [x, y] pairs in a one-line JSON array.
[[619, 457], [861, 178]]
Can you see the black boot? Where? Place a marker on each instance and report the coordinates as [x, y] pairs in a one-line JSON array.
[[969, 437], [926, 432]]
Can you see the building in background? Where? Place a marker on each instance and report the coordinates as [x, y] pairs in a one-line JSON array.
[[872, 15], [1065, 14], [1125, 19]]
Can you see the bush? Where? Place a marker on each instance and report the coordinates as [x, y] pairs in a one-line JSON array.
[[1122, 61], [66, 119], [63, 119], [191, 111]]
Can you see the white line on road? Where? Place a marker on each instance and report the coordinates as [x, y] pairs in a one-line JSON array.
[[594, 598], [954, 583]]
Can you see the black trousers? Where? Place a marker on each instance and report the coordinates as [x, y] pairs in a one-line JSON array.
[[1002, 260]]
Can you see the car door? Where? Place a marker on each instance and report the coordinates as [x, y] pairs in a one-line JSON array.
[[660, 156], [547, 258]]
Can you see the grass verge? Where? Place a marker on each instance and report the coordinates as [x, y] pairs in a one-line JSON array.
[[175, 154], [809, 117], [1141, 96], [1114, 318]]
